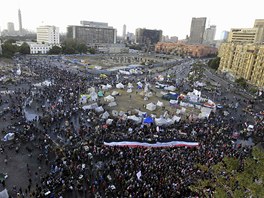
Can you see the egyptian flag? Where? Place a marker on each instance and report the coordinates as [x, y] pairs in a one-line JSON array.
[[163, 144]]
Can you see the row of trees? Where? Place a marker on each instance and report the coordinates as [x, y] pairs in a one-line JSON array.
[[9, 48], [214, 63]]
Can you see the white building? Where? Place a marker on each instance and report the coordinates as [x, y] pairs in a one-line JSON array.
[[38, 48], [48, 34]]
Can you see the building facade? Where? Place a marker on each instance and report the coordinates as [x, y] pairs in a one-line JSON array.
[[209, 35], [48, 34], [182, 49], [243, 60], [259, 24], [147, 36], [197, 30], [243, 35], [10, 28], [39, 48], [92, 33]]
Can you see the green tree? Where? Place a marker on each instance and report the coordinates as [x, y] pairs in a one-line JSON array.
[[9, 49], [82, 48], [24, 48], [241, 82], [214, 63], [55, 50], [91, 50], [234, 178], [69, 46]]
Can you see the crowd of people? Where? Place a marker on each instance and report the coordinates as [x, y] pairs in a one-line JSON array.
[[73, 149]]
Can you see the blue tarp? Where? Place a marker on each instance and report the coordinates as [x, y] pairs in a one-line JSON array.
[[148, 120]]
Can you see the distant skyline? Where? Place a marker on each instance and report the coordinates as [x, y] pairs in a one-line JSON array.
[[172, 17]]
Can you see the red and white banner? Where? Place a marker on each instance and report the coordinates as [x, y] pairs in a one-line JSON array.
[[154, 145]]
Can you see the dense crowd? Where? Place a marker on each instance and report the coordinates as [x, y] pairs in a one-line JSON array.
[[78, 160]]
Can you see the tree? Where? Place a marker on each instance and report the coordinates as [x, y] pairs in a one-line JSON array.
[[234, 177], [69, 46], [24, 48], [91, 50], [241, 82], [55, 50], [9, 49], [82, 48], [214, 63]]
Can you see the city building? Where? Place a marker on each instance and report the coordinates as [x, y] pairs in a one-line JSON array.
[[92, 33], [224, 36], [10, 28], [48, 34], [20, 22], [244, 60], [174, 39], [39, 48], [259, 24], [243, 35], [209, 35], [197, 30], [182, 49], [124, 32], [115, 48], [147, 36]]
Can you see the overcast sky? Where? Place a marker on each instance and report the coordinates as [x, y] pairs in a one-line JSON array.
[[173, 17]]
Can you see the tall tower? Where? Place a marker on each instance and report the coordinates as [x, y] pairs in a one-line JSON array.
[[197, 30], [20, 22], [124, 32], [209, 34], [259, 24]]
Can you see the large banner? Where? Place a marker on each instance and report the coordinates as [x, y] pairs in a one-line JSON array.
[[154, 145]]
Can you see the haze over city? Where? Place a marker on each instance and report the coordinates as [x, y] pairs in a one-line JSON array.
[[173, 18]]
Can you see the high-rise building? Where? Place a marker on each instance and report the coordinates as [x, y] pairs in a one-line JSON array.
[[124, 32], [48, 34], [243, 35], [149, 37], [10, 28], [92, 33], [259, 24], [209, 34], [20, 22], [243, 60], [224, 35], [197, 30]]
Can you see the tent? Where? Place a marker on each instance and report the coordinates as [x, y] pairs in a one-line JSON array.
[[112, 104], [163, 121], [129, 90], [159, 104], [140, 85], [100, 94], [8, 137], [135, 119], [4, 194], [115, 113], [106, 87], [115, 93], [151, 106], [91, 106], [84, 98], [148, 120], [105, 115], [120, 86], [99, 109], [93, 96], [149, 94], [176, 118], [170, 96], [129, 85], [109, 98], [109, 121], [170, 88]]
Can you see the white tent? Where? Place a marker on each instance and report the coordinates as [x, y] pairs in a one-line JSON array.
[[115, 113], [159, 104], [129, 90], [170, 88], [151, 106], [91, 106], [176, 118], [205, 113], [120, 86], [93, 96], [141, 113], [105, 115], [114, 93], [112, 104], [163, 121], [109, 121], [109, 98], [140, 84], [91, 89], [129, 85], [4, 194], [8, 136], [106, 87], [135, 118], [149, 94], [99, 109]]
